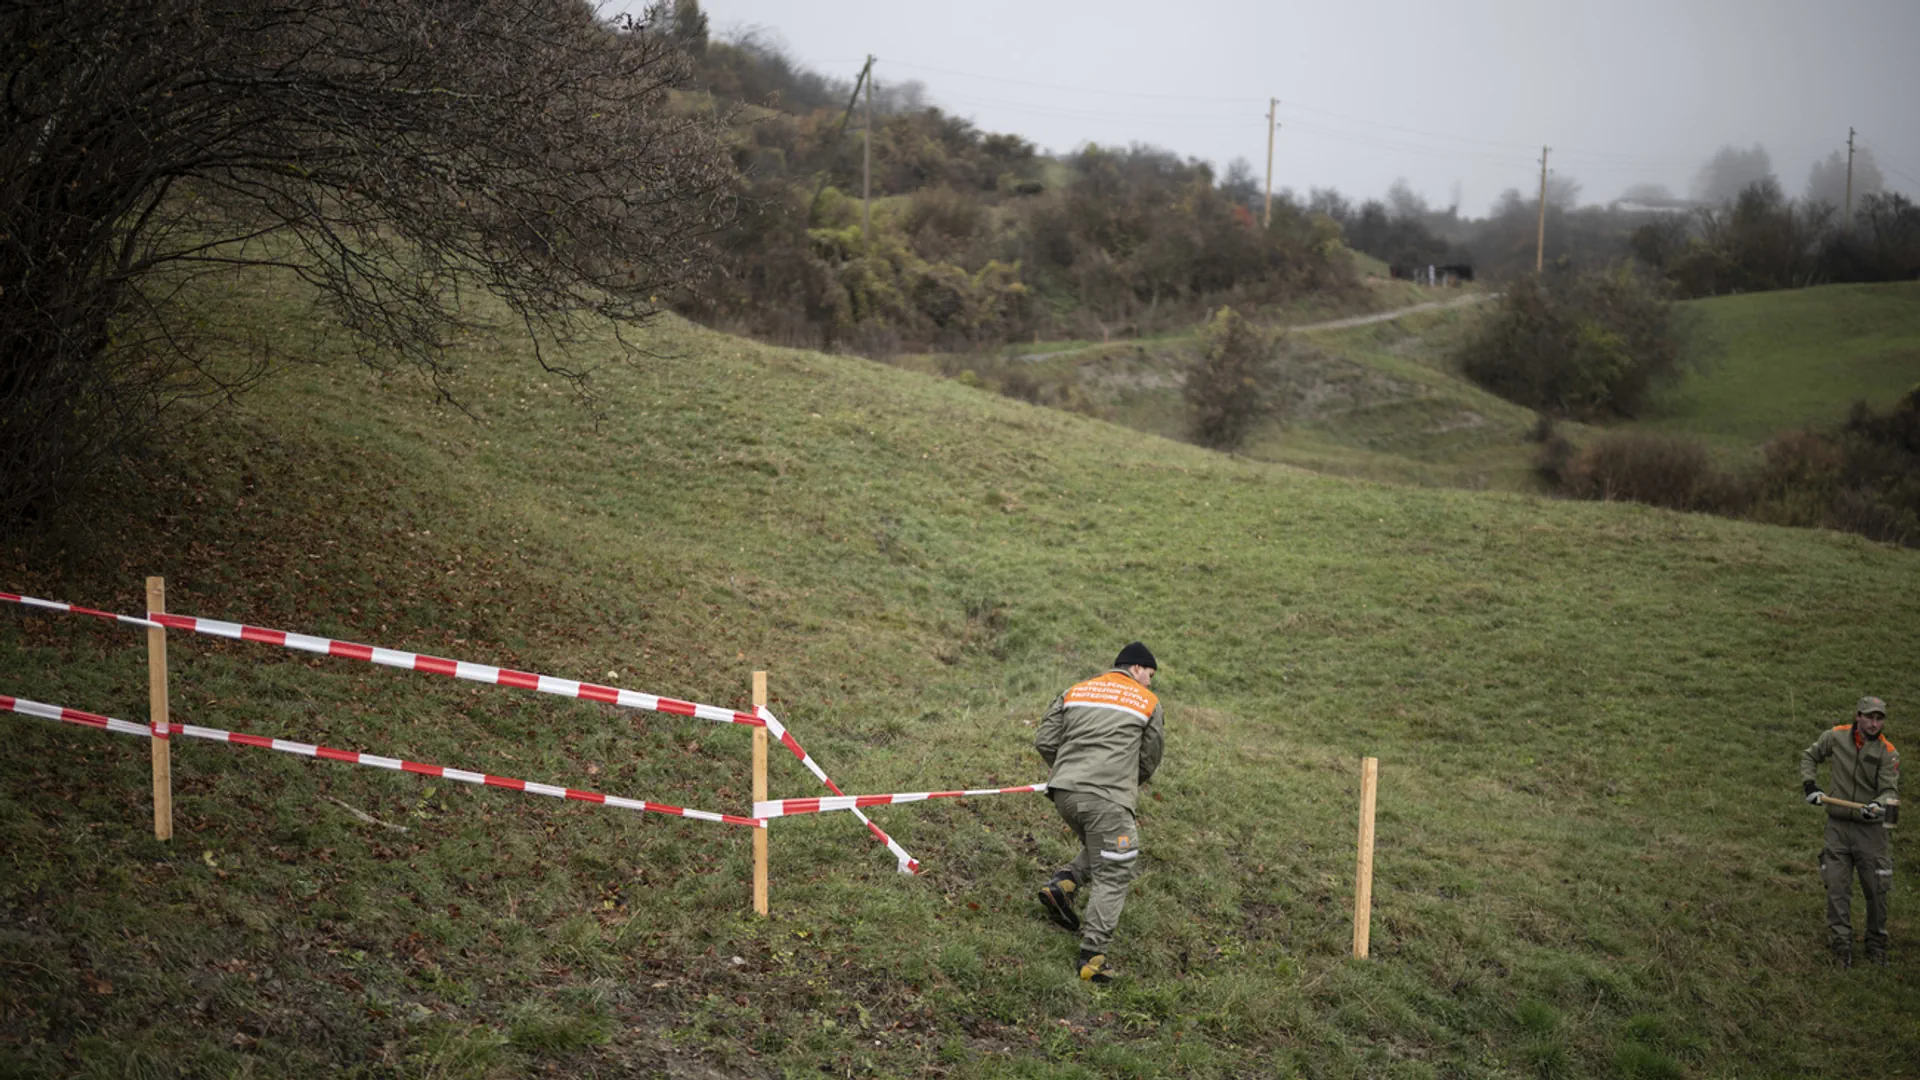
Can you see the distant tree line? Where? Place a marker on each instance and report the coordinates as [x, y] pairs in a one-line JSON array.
[[1739, 232], [978, 237], [975, 237]]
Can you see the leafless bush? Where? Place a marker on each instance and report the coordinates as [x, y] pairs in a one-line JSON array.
[[1659, 470]]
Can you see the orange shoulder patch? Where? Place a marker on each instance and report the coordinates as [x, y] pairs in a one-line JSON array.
[[1116, 691]]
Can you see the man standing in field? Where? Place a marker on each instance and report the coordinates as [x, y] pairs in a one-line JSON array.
[[1865, 771], [1102, 740]]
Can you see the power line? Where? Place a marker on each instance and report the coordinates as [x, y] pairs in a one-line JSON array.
[[1358, 138], [1902, 174], [1070, 89], [1891, 164], [1593, 158], [1072, 112], [1475, 150], [1378, 143], [1412, 131]]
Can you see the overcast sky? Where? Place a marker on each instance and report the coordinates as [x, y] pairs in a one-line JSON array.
[[1443, 94]]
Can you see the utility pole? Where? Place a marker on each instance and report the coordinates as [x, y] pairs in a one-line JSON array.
[[1273, 105], [866, 163], [1846, 223], [846, 115], [1540, 244]]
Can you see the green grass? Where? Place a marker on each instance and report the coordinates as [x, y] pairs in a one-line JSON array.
[[1385, 402], [1767, 363], [1593, 858], [1367, 266], [1379, 402], [1785, 360]]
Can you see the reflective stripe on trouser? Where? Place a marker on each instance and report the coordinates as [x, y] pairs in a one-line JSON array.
[[1109, 859], [1856, 849]]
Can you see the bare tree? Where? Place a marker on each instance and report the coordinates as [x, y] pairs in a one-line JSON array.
[[1827, 179], [394, 156], [1730, 171]]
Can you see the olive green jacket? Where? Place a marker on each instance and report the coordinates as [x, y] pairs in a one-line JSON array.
[[1866, 773], [1103, 736]]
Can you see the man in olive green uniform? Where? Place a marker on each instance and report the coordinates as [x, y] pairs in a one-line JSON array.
[[1102, 740], [1865, 769]]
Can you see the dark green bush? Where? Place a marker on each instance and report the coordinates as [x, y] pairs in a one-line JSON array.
[[1581, 346]]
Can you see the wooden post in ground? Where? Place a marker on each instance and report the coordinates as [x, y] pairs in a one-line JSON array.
[[1363, 878], [157, 708], [759, 795]]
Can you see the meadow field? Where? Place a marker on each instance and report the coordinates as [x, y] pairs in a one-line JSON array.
[[1593, 857]]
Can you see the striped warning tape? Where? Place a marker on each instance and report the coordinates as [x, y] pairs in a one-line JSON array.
[[458, 669], [107, 723], [903, 861], [75, 609], [788, 807]]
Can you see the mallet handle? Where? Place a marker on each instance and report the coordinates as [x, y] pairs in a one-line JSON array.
[[1828, 800]]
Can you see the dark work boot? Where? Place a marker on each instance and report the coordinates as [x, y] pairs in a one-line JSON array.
[[1094, 967], [1877, 955], [1842, 954], [1056, 896]]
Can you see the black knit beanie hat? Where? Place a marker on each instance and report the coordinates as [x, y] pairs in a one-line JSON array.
[[1136, 653]]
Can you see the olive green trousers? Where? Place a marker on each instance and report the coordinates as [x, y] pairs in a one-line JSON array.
[[1109, 858], [1856, 849]]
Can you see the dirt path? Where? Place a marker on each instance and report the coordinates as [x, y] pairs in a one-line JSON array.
[[1389, 316], [1335, 324]]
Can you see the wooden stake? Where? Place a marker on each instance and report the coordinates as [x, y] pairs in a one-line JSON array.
[[157, 708], [759, 795], [1363, 878]]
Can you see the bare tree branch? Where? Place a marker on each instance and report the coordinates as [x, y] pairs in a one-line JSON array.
[[392, 155]]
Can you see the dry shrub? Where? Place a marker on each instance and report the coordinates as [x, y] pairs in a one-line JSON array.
[[1234, 381], [1863, 478], [1660, 470]]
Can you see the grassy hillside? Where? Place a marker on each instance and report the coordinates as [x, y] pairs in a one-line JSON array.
[[1379, 402], [1785, 360], [1388, 401], [1385, 402], [1593, 858]]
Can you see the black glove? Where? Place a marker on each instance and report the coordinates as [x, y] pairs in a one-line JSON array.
[[1873, 811], [1814, 794]]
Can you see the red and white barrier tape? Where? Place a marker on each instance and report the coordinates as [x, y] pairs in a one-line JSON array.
[[788, 807], [75, 716], [458, 669], [904, 861], [75, 609]]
